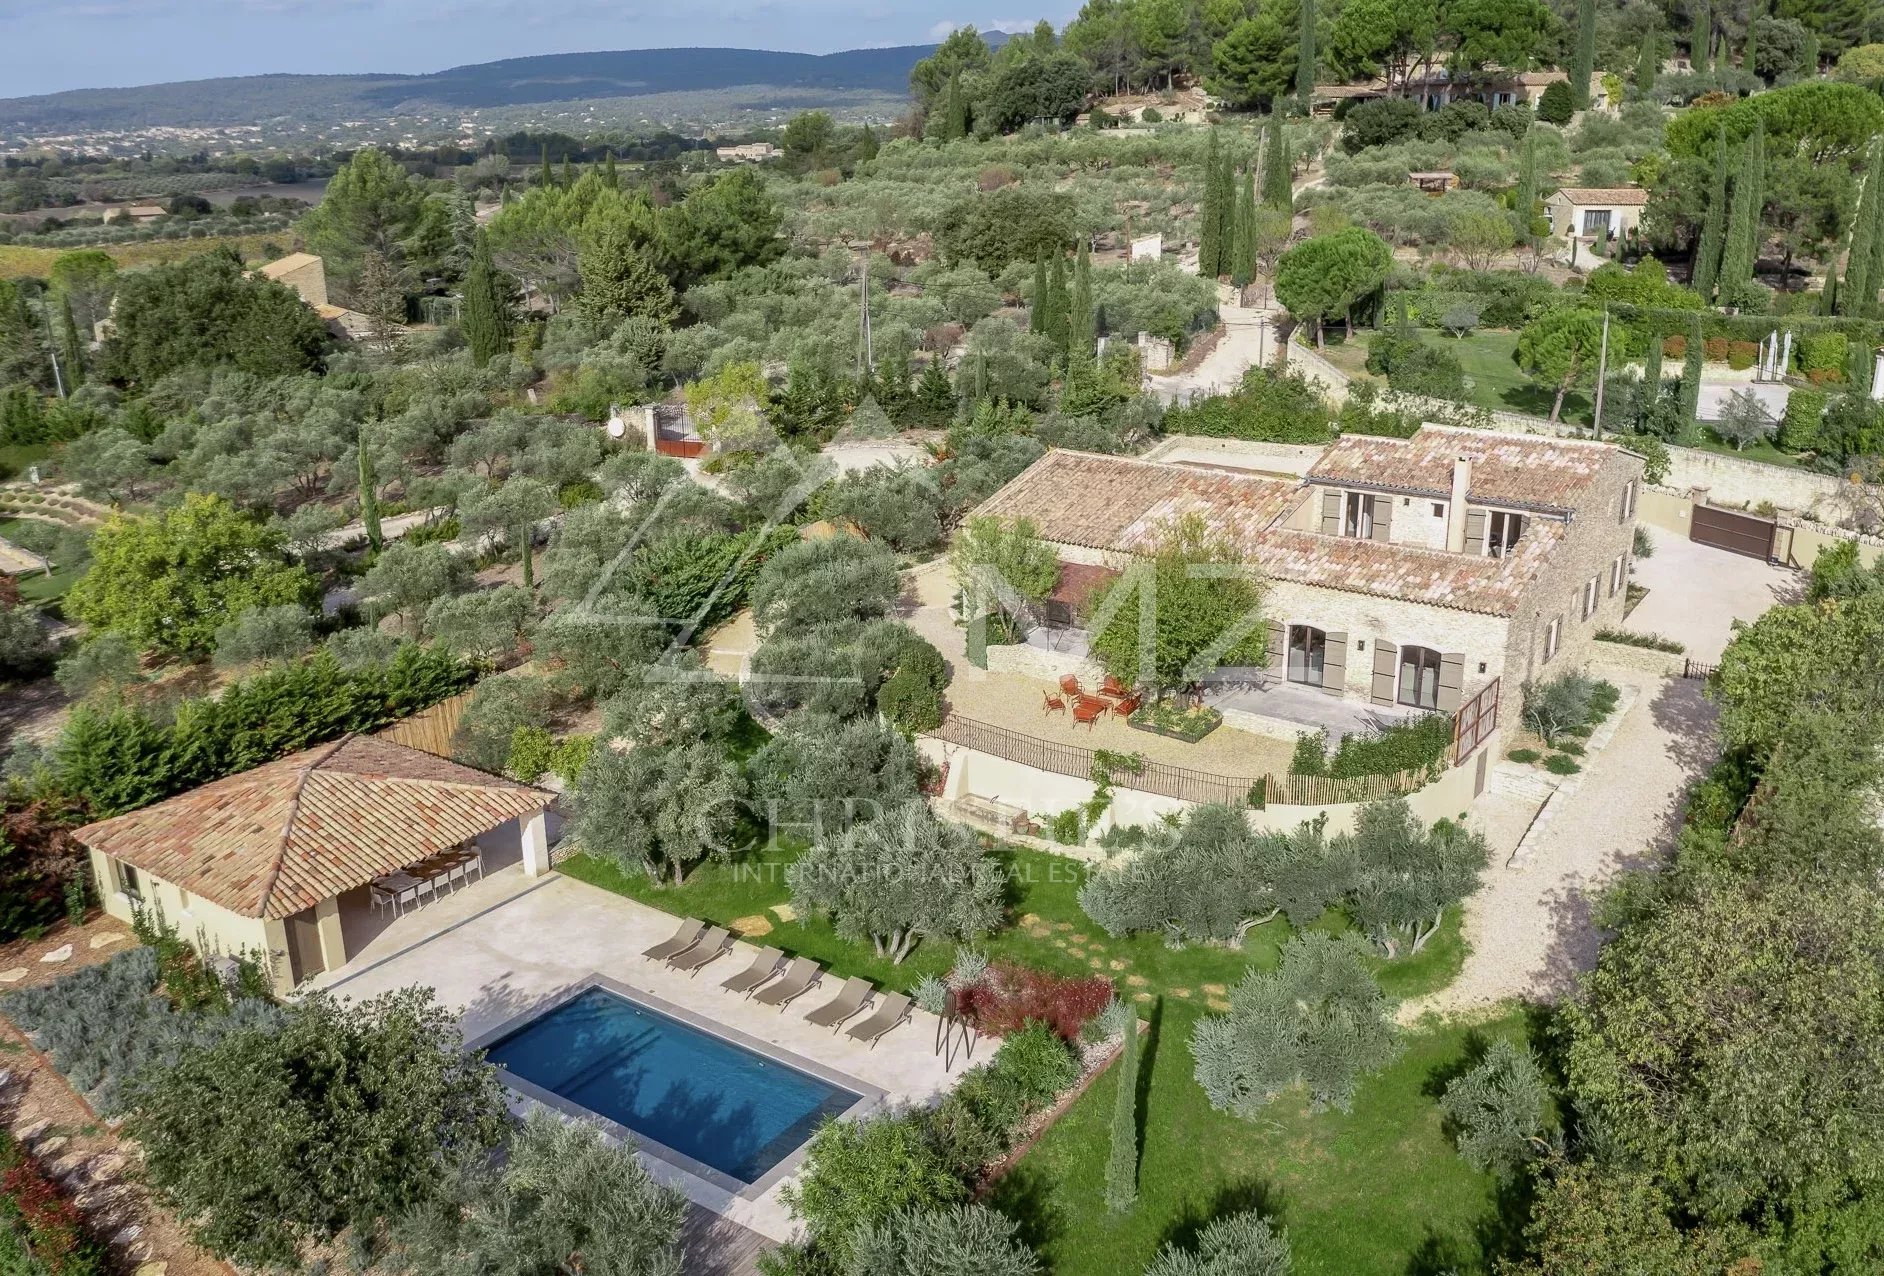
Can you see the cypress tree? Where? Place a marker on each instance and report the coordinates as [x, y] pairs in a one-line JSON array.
[[955, 111], [1859, 294], [1751, 48], [1243, 254], [1584, 65], [608, 170], [543, 178], [1651, 374], [567, 180], [1037, 313], [1210, 235], [1059, 313], [1648, 65], [74, 348], [1691, 378], [484, 317], [1083, 322], [1122, 1165], [1305, 58], [1828, 297], [1226, 200], [1742, 250], [1524, 205], [1278, 192], [1706, 271], [369, 491], [1701, 36]]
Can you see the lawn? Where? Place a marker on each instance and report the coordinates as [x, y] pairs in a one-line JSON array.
[[17, 261], [37, 588], [1377, 1190]]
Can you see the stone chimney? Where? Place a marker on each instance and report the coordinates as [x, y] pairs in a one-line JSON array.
[[1455, 511]]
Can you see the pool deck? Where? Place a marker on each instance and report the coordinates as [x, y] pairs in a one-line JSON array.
[[504, 947]]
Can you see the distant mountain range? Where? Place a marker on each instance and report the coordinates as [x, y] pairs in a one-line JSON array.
[[558, 77]]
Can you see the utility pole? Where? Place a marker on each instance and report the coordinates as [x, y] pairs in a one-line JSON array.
[[1602, 370]]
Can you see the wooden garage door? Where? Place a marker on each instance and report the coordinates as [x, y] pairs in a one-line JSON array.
[[1733, 531]]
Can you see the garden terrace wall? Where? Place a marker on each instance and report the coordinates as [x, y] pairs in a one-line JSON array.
[[1798, 543]]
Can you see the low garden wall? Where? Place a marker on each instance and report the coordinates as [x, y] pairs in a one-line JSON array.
[[1802, 538], [1623, 655], [1047, 666], [1729, 480]]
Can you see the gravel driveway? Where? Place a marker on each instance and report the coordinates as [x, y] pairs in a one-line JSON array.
[[1696, 593], [1530, 927]]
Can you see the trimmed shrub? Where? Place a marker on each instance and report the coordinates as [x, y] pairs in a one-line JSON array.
[[1420, 743], [1823, 352], [1805, 412], [1524, 755], [1561, 764]]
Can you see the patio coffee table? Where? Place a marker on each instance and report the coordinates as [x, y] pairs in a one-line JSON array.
[[1087, 709]]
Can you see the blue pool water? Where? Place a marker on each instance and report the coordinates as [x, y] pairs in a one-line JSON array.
[[719, 1103]]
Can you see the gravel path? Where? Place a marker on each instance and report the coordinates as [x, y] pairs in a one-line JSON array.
[[1529, 927]]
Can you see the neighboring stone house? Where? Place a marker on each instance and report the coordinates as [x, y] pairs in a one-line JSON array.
[[1399, 571], [1580, 215], [1436, 87], [747, 153], [303, 272]]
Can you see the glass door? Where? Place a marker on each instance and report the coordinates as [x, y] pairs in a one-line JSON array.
[[1307, 649]]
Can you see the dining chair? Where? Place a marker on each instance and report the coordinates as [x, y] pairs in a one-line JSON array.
[[407, 894]]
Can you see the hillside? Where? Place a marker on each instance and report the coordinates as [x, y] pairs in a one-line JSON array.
[[562, 77]]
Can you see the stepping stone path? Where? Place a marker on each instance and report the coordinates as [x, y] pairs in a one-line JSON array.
[[30, 1133], [62, 953], [784, 913], [51, 1145], [1136, 981], [1217, 1004], [1216, 990], [14, 975], [1116, 964], [750, 926], [127, 1234], [1098, 963], [152, 1269], [1181, 992], [107, 940]]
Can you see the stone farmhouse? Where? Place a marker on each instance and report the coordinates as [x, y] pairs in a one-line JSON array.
[[1399, 572]]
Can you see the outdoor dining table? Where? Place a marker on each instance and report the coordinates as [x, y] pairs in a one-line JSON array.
[[1088, 708]]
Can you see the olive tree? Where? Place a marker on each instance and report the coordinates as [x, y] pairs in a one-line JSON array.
[[1317, 1023], [958, 1240], [660, 808], [815, 582], [1497, 1110], [1235, 1245], [899, 878], [1408, 875]]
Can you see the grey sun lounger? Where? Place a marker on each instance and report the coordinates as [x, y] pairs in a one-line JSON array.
[[686, 937], [711, 945], [892, 1010], [763, 967], [799, 976], [849, 1000]]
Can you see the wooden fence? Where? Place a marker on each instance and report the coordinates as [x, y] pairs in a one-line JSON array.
[[1698, 670], [1179, 782], [431, 730]]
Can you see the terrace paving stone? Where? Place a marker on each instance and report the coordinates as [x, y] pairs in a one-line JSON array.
[[62, 953]]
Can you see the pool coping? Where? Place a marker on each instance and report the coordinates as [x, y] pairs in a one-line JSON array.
[[870, 1097]]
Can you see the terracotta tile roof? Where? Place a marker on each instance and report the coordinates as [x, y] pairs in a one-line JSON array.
[[1109, 502], [284, 836], [1520, 470], [1078, 583], [1585, 196], [1119, 505]]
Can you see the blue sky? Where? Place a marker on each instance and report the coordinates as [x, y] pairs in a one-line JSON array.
[[109, 43]]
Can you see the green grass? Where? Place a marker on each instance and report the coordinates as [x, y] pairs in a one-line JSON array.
[[15, 457], [37, 587], [1378, 1191]]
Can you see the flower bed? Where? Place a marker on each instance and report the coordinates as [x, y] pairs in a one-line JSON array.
[[40, 1230], [1007, 997], [1166, 719]]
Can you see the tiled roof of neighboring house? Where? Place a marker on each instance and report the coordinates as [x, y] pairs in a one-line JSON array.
[[1587, 196], [1119, 505], [281, 838], [1109, 502], [1542, 77], [287, 265], [1079, 582], [1523, 471]]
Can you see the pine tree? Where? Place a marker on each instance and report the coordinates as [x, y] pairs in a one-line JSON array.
[[934, 398], [1243, 255], [1584, 65], [484, 316], [1083, 321], [1706, 270], [1305, 59], [1743, 233], [1859, 295], [1277, 190], [1702, 35]]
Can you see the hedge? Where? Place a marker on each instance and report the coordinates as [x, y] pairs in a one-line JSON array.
[[121, 758]]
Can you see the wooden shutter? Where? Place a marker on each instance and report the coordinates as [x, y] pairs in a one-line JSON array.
[[1475, 531], [1334, 665], [1383, 517], [1386, 671], [1451, 681], [1278, 645], [1331, 513]]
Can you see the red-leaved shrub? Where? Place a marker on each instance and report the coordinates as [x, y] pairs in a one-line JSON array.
[[1007, 998], [53, 1226]]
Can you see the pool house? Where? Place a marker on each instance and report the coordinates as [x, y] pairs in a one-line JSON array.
[[308, 858]]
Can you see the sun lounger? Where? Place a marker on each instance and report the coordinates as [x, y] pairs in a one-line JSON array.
[[799, 976], [892, 1010], [849, 1000], [711, 945], [686, 937], [763, 967]]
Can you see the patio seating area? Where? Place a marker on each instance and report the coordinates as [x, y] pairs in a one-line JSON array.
[[771, 980], [1259, 701], [1088, 705], [418, 884]]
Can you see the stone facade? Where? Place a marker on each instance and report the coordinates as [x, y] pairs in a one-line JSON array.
[[1600, 543]]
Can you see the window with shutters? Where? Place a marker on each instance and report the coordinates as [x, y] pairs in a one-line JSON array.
[[1308, 650], [1553, 636], [129, 882], [1589, 597], [1357, 519], [1615, 575], [1502, 533], [1628, 501], [1419, 677]]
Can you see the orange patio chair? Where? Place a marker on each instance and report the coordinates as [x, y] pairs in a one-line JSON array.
[[1113, 687], [1054, 703], [1070, 685]]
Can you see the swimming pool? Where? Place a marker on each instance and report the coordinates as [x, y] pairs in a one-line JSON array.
[[714, 1101]]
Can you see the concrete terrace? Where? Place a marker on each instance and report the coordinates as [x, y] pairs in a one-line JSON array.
[[510, 945]]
